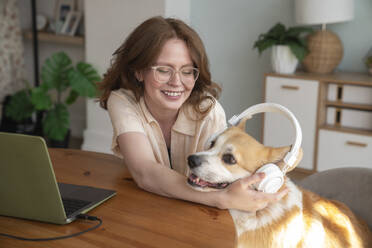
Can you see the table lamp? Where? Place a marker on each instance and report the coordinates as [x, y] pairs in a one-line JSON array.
[[325, 47]]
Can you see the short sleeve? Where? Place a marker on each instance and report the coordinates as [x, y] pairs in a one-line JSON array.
[[125, 116]]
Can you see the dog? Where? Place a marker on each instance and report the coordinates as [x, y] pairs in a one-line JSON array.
[[300, 219]]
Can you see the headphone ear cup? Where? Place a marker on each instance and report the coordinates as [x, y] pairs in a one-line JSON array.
[[273, 179]]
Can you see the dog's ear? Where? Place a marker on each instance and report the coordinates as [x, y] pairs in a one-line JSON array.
[[278, 154], [242, 122]]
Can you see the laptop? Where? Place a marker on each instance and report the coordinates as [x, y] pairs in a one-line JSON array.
[[28, 186]]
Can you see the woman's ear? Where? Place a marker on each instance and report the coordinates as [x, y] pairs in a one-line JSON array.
[[139, 76]]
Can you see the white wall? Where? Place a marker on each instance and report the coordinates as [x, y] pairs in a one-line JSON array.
[[356, 36], [229, 29]]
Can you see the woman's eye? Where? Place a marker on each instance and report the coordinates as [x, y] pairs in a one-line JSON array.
[[163, 70], [187, 72], [228, 159]]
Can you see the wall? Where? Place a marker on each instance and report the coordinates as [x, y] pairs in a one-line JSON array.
[[229, 30], [356, 36]]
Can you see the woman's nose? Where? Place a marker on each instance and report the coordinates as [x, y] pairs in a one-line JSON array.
[[176, 79]]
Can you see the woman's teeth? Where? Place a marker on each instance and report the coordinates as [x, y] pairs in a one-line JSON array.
[[170, 93]]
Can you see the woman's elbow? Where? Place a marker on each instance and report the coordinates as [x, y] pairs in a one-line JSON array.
[[143, 182]]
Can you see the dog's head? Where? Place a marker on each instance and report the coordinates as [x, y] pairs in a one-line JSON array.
[[233, 154]]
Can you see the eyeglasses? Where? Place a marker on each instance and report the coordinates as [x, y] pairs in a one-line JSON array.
[[163, 74]]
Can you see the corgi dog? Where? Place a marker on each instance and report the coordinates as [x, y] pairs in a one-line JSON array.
[[300, 219]]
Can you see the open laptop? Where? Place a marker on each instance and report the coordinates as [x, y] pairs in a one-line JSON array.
[[28, 186]]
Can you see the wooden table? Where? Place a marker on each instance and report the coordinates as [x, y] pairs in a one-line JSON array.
[[132, 218]]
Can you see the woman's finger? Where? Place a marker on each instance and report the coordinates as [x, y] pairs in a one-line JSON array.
[[255, 178]]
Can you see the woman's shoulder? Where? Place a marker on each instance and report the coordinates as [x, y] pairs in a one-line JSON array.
[[122, 97]]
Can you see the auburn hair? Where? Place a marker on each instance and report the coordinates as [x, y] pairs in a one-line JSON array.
[[141, 49]]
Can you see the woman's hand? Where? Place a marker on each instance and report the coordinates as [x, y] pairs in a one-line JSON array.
[[240, 195]]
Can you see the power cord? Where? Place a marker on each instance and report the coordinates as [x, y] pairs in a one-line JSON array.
[[80, 216]]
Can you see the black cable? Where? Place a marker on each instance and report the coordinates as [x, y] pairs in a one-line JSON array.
[[80, 216]]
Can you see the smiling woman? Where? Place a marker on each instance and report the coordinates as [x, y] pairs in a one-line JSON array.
[[163, 107]]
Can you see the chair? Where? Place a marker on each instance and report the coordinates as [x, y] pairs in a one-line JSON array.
[[350, 185]]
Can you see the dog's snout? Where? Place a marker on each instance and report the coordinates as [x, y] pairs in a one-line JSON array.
[[194, 161]]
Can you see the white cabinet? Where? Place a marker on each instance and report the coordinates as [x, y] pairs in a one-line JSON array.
[[334, 111], [300, 97], [337, 149]]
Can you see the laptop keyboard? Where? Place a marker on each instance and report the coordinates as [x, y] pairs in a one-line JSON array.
[[72, 205]]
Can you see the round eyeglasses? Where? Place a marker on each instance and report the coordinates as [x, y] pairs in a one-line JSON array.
[[163, 74]]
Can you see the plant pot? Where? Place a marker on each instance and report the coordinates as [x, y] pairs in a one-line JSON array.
[[283, 61], [60, 144]]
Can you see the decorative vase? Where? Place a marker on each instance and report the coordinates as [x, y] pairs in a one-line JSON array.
[[283, 61]]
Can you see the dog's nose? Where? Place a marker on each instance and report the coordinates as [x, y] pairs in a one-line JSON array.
[[194, 161]]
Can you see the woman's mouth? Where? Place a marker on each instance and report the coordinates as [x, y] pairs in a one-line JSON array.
[[173, 94]]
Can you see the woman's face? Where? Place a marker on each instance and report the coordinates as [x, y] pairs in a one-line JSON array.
[[160, 97]]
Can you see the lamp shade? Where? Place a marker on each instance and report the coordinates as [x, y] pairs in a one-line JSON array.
[[323, 11]]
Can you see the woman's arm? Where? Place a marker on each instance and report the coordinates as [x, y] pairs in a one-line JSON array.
[[154, 177]]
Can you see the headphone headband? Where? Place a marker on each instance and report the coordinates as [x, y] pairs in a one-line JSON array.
[[291, 156]]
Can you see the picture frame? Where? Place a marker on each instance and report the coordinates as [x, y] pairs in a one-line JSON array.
[[62, 8], [71, 23]]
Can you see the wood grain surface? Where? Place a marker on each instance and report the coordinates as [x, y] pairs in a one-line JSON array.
[[132, 218]]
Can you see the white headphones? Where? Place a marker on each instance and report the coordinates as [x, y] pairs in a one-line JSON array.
[[274, 178]]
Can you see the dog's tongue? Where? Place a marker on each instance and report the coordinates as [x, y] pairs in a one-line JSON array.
[[200, 182]]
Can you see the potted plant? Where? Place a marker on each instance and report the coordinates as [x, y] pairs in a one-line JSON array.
[[289, 47], [61, 84], [17, 112]]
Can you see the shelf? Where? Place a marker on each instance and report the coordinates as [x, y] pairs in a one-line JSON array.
[[56, 38], [349, 78], [347, 130], [337, 104]]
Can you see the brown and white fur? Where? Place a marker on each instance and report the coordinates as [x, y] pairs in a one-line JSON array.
[[300, 219]]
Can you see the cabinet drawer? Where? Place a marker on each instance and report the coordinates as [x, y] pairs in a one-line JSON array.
[[300, 97], [350, 94], [351, 118], [337, 149]]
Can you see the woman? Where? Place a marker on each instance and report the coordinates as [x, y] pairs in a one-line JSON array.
[[162, 104]]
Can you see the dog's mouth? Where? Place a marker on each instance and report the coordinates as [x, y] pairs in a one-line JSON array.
[[198, 182]]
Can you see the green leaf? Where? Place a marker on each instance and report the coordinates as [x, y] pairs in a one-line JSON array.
[[41, 99], [20, 106], [83, 80], [298, 50], [72, 97], [56, 122], [296, 31], [277, 31], [55, 70], [264, 44], [278, 35]]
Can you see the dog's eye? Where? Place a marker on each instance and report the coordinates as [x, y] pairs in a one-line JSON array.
[[228, 159], [212, 144]]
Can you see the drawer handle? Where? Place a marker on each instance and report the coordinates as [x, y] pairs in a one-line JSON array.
[[290, 87], [353, 143]]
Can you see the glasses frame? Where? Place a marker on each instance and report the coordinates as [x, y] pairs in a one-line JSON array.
[[174, 71]]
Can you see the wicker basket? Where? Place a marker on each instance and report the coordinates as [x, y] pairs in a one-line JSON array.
[[325, 54]]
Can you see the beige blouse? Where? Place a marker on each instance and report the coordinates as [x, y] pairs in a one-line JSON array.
[[187, 135]]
